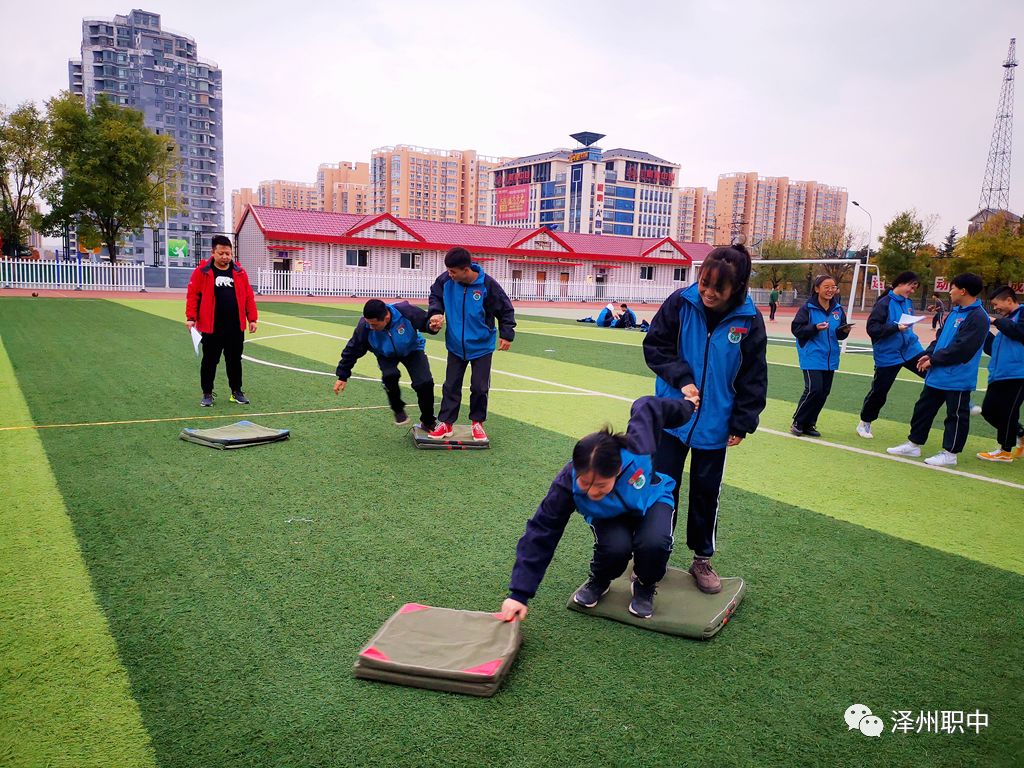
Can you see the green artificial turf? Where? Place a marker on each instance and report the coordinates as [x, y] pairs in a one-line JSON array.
[[239, 585]]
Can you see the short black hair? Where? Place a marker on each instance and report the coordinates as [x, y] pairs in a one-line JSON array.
[[375, 309], [1003, 292], [969, 282], [220, 240], [623, 306], [458, 258], [728, 264], [599, 452], [905, 277]]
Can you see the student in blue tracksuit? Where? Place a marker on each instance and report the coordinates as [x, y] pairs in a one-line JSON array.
[[893, 345], [391, 332], [626, 318], [950, 365], [1005, 393], [628, 506], [606, 317], [819, 326], [708, 341], [470, 301]]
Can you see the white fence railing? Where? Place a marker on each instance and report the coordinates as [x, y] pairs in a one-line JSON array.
[[71, 275], [418, 287]]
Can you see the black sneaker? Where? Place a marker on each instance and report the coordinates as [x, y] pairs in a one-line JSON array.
[[795, 429], [401, 418], [207, 401], [642, 604], [811, 432], [238, 396], [590, 594]]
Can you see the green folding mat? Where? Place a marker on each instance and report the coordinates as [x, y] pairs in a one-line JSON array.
[[679, 607], [441, 649], [241, 434], [461, 440]]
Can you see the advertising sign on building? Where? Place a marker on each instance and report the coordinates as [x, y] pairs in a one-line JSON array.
[[941, 285], [512, 203]]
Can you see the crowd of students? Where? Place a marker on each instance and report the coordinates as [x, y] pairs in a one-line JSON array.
[[707, 347]]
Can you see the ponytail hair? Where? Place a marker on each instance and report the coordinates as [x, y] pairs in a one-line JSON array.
[[598, 452]]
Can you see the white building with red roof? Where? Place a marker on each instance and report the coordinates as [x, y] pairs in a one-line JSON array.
[[321, 253]]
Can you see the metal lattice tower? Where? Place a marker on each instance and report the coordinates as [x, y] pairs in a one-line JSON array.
[[995, 190]]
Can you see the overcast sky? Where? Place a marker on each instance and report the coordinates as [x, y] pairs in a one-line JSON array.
[[893, 100]]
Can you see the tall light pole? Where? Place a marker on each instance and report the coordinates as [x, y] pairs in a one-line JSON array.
[[167, 242], [867, 258]]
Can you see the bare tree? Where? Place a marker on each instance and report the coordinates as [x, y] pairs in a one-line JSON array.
[[831, 241]]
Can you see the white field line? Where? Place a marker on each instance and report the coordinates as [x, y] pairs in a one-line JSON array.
[[838, 446], [258, 339]]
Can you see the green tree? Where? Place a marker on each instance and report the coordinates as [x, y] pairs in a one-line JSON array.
[[901, 240], [995, 252], [115, 172], [831, 241], [948, 245], [778, 275], [26, 170]]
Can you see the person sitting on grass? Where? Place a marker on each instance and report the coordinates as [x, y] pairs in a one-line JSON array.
[[629, 507], [391, 332], [626, 318], [607, 316]]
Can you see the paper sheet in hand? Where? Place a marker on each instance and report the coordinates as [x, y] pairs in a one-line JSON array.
[[906, 319], [196, 338]]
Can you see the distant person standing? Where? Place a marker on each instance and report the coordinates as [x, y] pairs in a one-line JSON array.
[[1005, 393], [773, 303], [219, 303], [894, 345], [950, 365], [470, 302], [819, 326], [939, 310]]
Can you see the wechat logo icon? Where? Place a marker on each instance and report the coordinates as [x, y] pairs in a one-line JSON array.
[[859, 717]]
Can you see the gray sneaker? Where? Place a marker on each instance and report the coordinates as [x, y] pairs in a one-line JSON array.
[[207, 401], [642, 604], [590, 594]]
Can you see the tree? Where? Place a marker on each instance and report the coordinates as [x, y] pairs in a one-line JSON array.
[[948, 245], [26, 170], [780, 274], [995, 252], [116, 174], [901, 239], [831, 241]]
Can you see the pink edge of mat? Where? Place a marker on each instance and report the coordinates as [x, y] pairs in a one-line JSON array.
[[410, 607], [373, 653], [485, 669]]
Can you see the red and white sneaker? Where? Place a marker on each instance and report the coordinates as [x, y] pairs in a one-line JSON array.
[[478, 432], [441, 431]]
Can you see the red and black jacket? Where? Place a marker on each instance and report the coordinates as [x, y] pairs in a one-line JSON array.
[[200, 301]]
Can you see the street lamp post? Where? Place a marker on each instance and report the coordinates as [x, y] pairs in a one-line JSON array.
[[867, 258], [167, 242]]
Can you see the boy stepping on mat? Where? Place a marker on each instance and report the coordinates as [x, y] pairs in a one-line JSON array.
[[391, 332], [628, 506], [470, 301]]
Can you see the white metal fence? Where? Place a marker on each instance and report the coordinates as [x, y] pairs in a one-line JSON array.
[[71, 275], [418, 287]]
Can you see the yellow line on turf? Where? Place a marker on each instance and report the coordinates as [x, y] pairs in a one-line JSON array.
[[190, 418]]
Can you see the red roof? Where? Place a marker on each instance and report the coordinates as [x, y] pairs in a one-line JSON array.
[[347, 228]]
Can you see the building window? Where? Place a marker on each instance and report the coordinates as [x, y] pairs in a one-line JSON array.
[[357, 258], [410, 261], [679, 274], [646, 273]]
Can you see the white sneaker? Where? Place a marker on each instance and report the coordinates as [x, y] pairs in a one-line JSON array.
[[942, 459], [864, 429], [975, 410], [907, 449]]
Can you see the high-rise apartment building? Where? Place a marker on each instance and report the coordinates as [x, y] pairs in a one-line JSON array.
[[299, 195], [619, 192], [449, 185], [774, 208], [696, 215], [133, 61], [344, 187], [240, 200]]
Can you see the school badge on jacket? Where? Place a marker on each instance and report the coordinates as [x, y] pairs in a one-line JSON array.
[[637, 480], [736, 334]]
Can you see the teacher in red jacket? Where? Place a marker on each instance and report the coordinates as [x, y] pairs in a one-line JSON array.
[[219, 303]]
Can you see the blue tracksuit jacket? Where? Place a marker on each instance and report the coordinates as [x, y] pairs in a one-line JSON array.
[[400, 339], [819, 350], [470, 312], [890, 345], [956, 354], [1007, 349], [728, 366]]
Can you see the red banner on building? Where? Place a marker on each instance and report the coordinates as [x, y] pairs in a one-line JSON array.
[[512, 203]]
